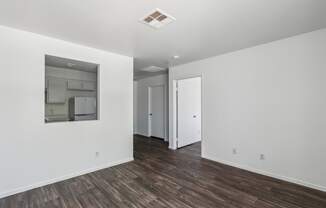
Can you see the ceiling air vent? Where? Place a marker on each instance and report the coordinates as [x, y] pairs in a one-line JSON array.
[[157, 19], [153, 69]]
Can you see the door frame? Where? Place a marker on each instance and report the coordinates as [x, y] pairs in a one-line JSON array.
[[149, 93], [175, 112]]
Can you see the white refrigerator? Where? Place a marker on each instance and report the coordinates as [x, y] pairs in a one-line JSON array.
[[82, 108]]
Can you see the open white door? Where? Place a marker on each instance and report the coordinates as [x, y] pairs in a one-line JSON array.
[[156, 111], [188, 111]]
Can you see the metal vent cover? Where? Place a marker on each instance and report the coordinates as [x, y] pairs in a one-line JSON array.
[[157, 19]]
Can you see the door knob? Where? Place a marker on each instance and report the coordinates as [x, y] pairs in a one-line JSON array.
[[194, 116]]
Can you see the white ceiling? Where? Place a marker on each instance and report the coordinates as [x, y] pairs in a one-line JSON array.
[[203, 28]]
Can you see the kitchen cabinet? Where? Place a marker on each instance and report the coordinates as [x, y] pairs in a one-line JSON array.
[[81, 85], [89, 86], [56, 90], [75, 85]]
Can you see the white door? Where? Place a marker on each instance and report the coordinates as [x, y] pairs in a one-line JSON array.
[[156, 111], [188, 111]]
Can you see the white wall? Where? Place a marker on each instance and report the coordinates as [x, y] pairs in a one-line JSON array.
[[34, 153], [142, 102], [269, 99]]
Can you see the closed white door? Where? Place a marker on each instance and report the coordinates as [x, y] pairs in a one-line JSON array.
[[188, 111], [156, 111]]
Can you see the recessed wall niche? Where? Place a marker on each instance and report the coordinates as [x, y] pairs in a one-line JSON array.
[[71, 90]]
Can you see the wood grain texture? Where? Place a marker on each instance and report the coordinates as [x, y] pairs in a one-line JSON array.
[[163, 178]]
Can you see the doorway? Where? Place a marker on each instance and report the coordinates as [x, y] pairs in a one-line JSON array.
[[188, 111], [156, 113]]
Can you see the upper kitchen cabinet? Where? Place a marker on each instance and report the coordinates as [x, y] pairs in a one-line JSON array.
[[89, 86], [81, 85], [56, 90], [75, 85]]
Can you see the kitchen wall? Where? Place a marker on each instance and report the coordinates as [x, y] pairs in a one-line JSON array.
[[67, 74], [34, 153], [142, 102], [269, 100]]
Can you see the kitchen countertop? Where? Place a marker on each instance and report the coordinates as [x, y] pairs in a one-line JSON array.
[[56, 118]]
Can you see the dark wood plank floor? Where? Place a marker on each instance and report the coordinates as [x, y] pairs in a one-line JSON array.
[[162, 178]]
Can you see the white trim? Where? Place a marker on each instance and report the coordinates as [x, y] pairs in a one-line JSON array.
[[172, 148], [149, 109], [62, 178], [144, 135], [262, 172]]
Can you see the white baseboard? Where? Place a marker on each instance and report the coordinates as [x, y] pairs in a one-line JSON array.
[[62, 178], [142, 134], [172, 148], [254, 170]]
